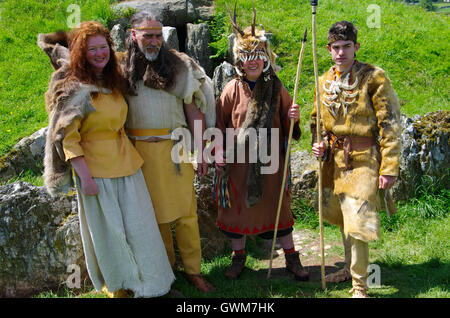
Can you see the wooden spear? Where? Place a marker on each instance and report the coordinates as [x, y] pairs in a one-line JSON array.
[[314, 4], [288, 151]]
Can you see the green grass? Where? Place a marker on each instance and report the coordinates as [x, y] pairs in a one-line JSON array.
[[412, 254], [24, 68]]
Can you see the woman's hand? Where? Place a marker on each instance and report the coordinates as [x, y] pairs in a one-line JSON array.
[[88, 184], [219, 158], [294, 112]]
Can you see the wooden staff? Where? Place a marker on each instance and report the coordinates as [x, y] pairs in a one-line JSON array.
[[314, 4], [288, 150]]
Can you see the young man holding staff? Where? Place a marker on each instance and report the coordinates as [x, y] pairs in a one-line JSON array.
[[360, 147]]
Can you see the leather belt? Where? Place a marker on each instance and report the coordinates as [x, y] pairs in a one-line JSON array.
[[153, 135], [349, 143]]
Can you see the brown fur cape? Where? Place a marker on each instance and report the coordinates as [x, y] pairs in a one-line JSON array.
[[263, 103], [65, 100]]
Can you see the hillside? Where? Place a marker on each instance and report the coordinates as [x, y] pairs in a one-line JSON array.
[[410, 43]]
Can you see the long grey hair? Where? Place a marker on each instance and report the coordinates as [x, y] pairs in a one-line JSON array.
[[136, 64]]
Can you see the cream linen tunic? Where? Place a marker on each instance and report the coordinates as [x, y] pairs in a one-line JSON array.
[[158, 109]]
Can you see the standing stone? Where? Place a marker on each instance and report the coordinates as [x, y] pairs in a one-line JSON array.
[[174, 13], [230, 57], [118, 36], [39, 240], [197, 47], [425, 153], [171, 38], [223, 73]]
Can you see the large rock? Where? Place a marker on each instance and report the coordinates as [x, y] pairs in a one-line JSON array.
[[425, 153], [171, 38], [27, 154], [212, 240], [196, 46], [39, 239], [303, 175], [174, 13], [223, 73], [118, 35]]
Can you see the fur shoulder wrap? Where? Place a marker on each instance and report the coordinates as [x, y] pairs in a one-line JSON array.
[[65, 101], [193, 85]]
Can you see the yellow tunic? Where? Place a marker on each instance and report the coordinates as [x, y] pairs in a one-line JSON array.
[[101, 139], [157, 109], [373, 112]]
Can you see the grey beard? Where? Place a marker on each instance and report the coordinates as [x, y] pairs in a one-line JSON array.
[[149, 56]]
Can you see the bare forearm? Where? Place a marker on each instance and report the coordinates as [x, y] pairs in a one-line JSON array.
[[88, 184], [194, 115]]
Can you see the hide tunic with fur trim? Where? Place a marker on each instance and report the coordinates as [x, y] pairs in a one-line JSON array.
[[362, 105], [232, 108]]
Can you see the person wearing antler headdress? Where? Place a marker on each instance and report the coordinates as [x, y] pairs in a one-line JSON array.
[[246, 195], [360, 116]]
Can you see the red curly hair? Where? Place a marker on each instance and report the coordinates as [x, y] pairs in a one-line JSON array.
[[79, 66]]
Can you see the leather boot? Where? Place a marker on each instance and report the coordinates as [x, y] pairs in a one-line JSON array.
[[294, 266], [237, 265]]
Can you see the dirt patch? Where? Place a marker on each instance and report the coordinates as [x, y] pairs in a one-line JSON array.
[[308, 244]]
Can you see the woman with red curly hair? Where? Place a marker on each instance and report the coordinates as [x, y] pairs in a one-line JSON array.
[[122, 244]]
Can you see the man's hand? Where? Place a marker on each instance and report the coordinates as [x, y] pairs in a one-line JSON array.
[[386, 181], [318, 150], [202, 165], [294, 112], [193, 114]]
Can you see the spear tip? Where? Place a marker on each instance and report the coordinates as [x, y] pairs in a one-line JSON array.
[[305, 35]]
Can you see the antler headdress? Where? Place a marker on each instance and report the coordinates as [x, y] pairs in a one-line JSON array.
[[251, 43]]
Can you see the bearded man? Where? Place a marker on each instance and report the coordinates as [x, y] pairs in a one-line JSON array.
[[167, 90], [361, 148]]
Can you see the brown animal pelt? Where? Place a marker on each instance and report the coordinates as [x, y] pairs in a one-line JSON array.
[[260, 114], [64, 100]]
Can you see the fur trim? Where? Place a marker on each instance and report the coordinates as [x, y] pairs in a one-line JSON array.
[[65, 100], [190, 83], [262, 106]]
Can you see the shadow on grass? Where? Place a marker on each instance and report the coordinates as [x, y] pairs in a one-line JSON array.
[[429, 279], [253, 283]]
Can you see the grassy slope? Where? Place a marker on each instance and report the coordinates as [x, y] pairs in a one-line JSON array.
[[25, 69], [411, 45]]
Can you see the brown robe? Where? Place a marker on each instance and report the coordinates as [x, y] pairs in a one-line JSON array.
[[231, 113]]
